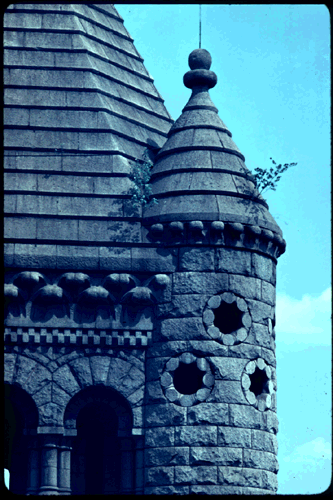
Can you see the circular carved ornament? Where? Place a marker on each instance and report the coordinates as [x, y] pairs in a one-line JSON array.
[[187, 380], [227, 318], [258, 384]]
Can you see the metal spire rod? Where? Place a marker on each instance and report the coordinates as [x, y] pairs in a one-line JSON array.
[[199, 26]]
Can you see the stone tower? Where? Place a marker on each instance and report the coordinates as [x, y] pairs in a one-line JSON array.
[[139, 344]]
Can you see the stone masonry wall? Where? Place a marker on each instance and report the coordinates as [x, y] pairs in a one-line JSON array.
[[220, 436]]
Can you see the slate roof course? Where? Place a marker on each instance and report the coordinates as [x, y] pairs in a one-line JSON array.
[[79, 107], [200, 173]]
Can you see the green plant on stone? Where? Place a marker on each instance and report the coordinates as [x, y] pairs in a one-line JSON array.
[[141, 192], [267, 178]]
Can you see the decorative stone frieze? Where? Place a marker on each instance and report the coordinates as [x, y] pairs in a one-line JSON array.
[[77, 337], [115, 302], [231, 234]]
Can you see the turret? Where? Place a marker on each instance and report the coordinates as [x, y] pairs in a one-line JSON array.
[[210, 412]]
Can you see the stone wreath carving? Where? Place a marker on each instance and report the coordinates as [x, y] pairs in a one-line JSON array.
[[227, 318], [257, 384], [187, 380]]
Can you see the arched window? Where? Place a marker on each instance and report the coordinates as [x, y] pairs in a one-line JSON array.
[[21, 418], [102, 460]]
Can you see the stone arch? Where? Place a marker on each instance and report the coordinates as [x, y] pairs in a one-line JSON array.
[[102, 459], [21, 420]]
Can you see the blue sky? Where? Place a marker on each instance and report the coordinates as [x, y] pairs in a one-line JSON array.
[[273, 93]]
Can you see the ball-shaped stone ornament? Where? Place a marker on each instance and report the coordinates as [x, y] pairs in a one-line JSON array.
[[199, 59]]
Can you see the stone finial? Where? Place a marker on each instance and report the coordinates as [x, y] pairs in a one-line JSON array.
[[200, 59], [200, 75]]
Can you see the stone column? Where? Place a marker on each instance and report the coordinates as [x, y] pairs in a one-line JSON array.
[[126, 458], [33, 467], [64, 467], [49, 465], [139, 465]]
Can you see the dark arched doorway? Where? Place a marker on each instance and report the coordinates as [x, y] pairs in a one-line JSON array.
[[102, 459], [21, 419]]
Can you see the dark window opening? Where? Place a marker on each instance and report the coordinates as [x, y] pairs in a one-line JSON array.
[[259, 382], [228, 318], [188, 378], [96, 453]]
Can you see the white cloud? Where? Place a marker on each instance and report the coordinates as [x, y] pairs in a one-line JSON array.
[[306, 321], [311, 452]]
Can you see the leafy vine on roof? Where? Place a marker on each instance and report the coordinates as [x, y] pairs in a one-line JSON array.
[[141, 192]]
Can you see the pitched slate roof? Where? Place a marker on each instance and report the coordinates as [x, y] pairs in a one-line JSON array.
[[79, 105], [200, 173]]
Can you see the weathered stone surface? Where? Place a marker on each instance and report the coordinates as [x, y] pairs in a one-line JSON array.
[[38, 379], [203, 435], [260, 460], [154, 393], [245, 286], [160, 436], [233, 261], [51, 414], [165, 414], [76, 257], [138, 416], [260, 335], [10, 360], [59, 396], [195, 475], [196, 259], [258, 491], [155, 367], [23, 368], [183, 329], [99, 368], [247, 351], [264, 441], [65, 379], [194, 282], [216, 490], [237, 476], [159, 476], [34, 257], [186, 305], [271, 423], [44, 395], [81, 368], [136, 398], [234, 437], [268, 293], [226, 391], [227, 368], [263, 267], [216, 456], [156, 260], [208, 413], [115, 258], [245, 416], [260, 311], [132, 381], [197, 347], [117, 370], [167, 490], [167, 456], [269, 480]]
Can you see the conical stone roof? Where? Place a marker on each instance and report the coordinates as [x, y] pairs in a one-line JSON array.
[[199, 173]]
